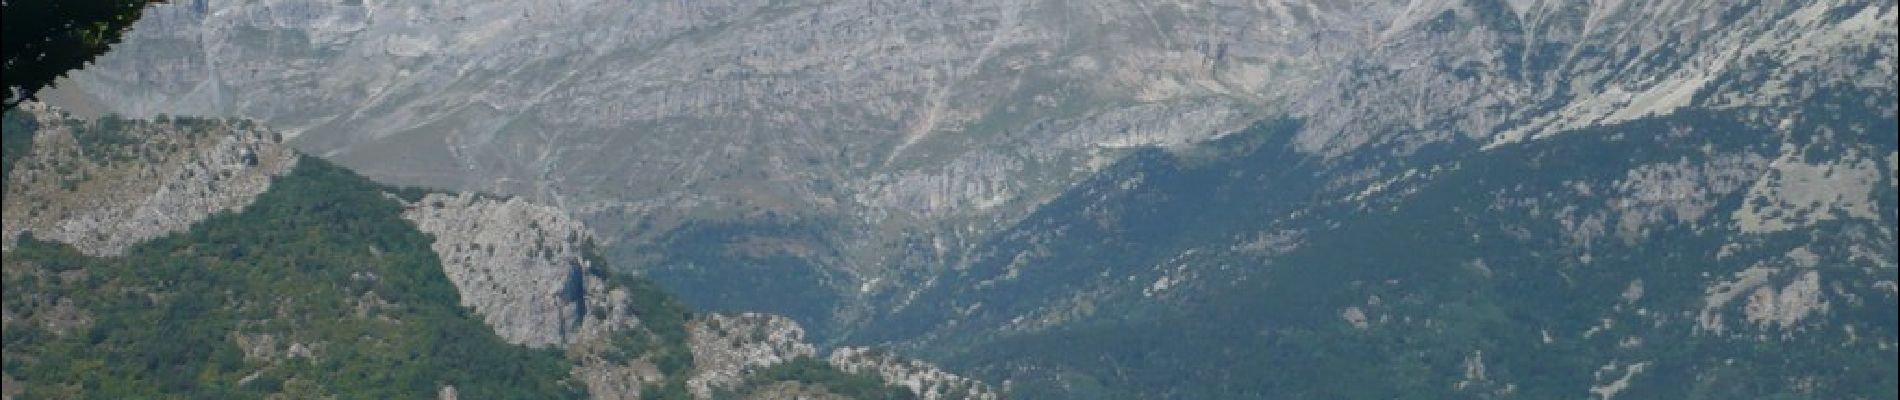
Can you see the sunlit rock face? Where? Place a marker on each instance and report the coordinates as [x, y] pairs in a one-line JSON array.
[[104, 186], [727, 348], [523, 268]]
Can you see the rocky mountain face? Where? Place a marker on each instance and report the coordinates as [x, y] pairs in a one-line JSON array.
[[1470, 198], [81, 184], [727, 348], [522, 267], [1502, 71], [871, 147], [896, 131], [533, 274], [251, 271], [928, 381], [1558, 234]]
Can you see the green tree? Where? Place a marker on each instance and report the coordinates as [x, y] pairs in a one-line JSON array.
[[46, 38]]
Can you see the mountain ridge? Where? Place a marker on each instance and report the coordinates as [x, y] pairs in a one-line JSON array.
[[1001, 186], [893, 137], [315, 281]]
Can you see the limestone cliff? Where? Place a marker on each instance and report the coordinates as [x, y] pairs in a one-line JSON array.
[[103, 186], [522, 267], [527, 270], [911, 130]]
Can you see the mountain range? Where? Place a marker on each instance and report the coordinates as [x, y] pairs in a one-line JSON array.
[[1144, 199]]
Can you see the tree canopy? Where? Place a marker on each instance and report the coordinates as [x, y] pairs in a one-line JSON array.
[[47, 38]]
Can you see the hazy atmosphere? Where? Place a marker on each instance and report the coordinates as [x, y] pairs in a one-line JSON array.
[[983, 199]]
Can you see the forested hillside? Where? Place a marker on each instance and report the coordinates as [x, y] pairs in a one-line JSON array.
[[317, 287], [1158, 199], [1707, 254]]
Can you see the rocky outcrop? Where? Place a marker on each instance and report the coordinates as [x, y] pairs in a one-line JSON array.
[[789, 390], [1764, 306], [522, 267], [1771, 308], [526, 270], [1648, 196], [726, 348], [1615, 380], [529, 271], [616, 382], [928, 381], [1798, 194], [729, 349], [103, 186]]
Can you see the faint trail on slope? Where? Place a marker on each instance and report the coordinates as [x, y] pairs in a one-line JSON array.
[[927, 123]]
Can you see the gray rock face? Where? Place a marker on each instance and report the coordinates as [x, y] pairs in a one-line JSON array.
[[894, 118], [729, 348], [726, 348], [928, 381], [720, 91], [105, 186], [522, 268], [931, 122], [1504, 71], [609, 381]]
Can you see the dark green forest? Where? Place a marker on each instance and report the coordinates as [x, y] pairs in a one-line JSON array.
[[705, 261], [1270, 326]]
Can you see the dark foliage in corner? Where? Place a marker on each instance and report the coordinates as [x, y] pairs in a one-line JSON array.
[[46, 38]]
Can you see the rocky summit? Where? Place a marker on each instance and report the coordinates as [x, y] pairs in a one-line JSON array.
[[83, 183], [522, 267]]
